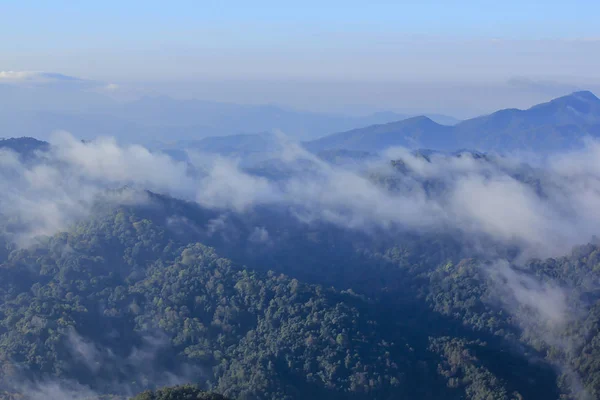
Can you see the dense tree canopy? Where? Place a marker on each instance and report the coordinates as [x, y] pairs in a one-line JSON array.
[[186, 392], [139, 297]]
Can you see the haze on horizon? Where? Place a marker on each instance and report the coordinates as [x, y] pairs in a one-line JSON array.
[[411, 57]]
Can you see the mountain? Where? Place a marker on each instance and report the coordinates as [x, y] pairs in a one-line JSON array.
[[23, 144], [133, 298], [25, 147], [412, 132], [129, 299], [558, 124], [205, 118], [82, 108], [388, 116], [146, 290]]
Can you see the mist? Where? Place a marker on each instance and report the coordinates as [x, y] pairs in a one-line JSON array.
[[544, 206]]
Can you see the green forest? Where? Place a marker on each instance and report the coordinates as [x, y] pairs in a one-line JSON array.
[[125, 302], [153, 297]]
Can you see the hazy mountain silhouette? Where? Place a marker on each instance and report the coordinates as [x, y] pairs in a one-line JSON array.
[[412, 132], [25, 147], [557, 124], [80, 107]]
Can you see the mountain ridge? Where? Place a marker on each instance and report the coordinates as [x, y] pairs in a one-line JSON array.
[[557, 124], [74, 106]]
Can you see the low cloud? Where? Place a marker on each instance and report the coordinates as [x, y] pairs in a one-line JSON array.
[[543, 207], [55, 390], [545, 311], [16, 75], [259, 235], [140, 366], [540, 305]]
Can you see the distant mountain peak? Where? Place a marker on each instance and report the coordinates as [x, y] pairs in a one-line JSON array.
[[24, 146], [420, 118], [585, 95], [582, 96], [584, 102], [25, 140]]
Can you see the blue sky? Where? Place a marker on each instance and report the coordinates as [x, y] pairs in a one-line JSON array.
[[75, 22], [448, 42]]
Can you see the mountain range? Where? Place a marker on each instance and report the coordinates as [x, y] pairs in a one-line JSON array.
[[558, 124], [77, 107]]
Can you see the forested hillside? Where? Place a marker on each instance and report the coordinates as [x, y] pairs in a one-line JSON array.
[[122, 301], [117, 298], [332, 295]]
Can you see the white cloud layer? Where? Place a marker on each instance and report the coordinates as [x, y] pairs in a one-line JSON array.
[[16, 75], [544, 209]]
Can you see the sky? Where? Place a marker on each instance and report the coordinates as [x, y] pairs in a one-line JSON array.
[[227, 49]]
